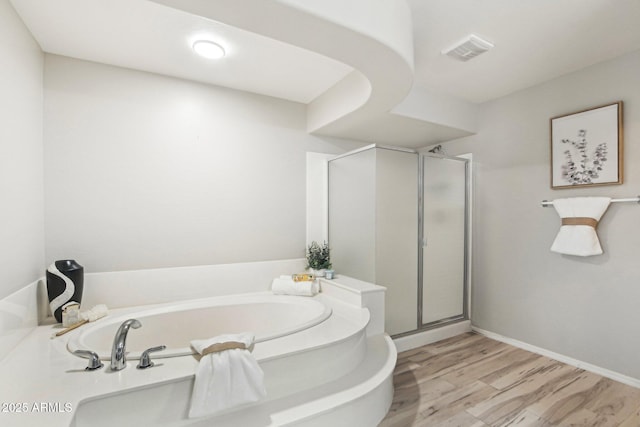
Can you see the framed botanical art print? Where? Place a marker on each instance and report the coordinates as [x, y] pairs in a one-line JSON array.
[[586, 147]]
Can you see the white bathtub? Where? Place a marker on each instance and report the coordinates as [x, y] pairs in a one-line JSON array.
[[267, 316]]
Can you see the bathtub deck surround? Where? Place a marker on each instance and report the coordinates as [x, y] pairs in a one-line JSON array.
[[355, 386], [157, 286], [19, 314]]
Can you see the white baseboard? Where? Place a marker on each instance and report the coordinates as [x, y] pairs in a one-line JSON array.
[[419, 339], [616, 376]]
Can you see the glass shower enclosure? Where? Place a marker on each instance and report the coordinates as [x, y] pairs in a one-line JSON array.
[[400, 219]]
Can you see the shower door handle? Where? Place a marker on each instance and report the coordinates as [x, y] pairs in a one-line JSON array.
[[424, 242]]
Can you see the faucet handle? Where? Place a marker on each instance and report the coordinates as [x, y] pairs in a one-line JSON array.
[[145, 359], [94, 359]]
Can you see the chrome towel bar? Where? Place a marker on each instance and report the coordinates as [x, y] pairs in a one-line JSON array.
[[547, 203]]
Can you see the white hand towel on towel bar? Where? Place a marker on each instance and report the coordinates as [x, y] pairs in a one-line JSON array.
[[284, 285], [225, 378], [580, 216]]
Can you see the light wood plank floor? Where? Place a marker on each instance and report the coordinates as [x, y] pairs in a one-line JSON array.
[[473, 381]]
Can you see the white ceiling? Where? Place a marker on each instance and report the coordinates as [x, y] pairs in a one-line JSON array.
[[535, 40], [143, 35]]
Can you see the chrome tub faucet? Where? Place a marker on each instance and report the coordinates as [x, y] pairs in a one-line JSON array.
[[118, 351]]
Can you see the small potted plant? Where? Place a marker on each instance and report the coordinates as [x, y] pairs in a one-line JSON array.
[[318, 258]]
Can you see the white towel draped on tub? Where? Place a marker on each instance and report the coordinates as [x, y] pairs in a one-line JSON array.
[[284, 285], [227, 377], [580, 216]]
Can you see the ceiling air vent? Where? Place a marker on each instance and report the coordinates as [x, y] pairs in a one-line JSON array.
[[470, 47]]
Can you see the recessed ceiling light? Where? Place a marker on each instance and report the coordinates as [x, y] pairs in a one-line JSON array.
[[208, 49]]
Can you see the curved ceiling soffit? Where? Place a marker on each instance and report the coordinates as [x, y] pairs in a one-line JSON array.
[[372, 36]]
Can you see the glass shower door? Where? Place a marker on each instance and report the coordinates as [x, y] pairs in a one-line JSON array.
[[444, 236]]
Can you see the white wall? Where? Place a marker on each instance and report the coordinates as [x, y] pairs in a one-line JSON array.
[[585, 308], [21, 187], [145, 171]]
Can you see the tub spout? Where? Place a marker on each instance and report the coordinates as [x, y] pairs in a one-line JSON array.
[[118, 351]]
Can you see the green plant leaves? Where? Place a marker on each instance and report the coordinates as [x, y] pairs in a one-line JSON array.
[[318, 256]]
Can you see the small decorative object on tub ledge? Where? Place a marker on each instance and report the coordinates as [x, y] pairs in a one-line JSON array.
[[580, 216], [70, 314], [289, 285], [303, 277], [65, 280], [97, 312], [318, 258], [227, 375]]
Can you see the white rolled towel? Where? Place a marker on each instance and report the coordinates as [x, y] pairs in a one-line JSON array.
[[580, 216], [227, 375], [284, 285]]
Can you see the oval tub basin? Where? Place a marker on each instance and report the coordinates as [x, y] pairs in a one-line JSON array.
[[265, 315]]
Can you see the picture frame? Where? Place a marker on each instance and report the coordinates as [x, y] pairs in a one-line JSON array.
[[586, 147]]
